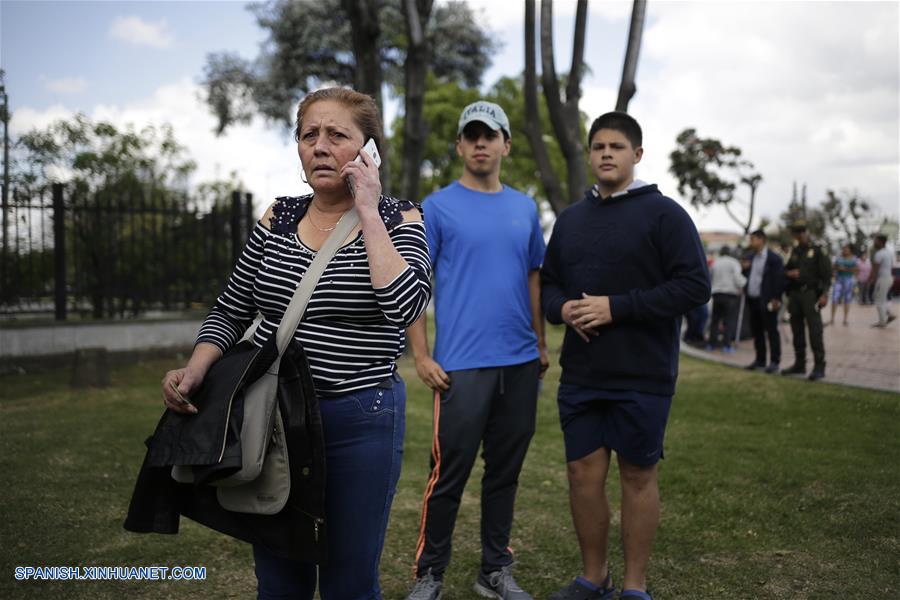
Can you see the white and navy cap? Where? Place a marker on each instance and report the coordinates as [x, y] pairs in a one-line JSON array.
[[484, 112]]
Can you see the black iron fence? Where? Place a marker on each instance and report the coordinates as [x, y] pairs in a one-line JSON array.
[[111, 255]]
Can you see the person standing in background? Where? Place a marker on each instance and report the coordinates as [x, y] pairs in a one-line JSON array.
[[696, 322], [765, 285], [883, 277], [845, 268], [864, 270], [727, 283], [809, 275]]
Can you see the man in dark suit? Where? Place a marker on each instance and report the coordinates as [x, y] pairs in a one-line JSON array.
[[764, 270]]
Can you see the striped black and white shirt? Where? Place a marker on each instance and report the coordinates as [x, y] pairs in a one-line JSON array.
[[352, 333]]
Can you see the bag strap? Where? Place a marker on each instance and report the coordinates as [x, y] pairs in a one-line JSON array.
[[307, 286]]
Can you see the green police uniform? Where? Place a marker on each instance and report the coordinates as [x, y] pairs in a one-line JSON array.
[[803, 294]]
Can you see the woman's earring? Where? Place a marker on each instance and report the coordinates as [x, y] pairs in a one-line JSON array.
[[303, 176]]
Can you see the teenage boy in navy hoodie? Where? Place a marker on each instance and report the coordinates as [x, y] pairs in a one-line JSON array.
[[621, 267]]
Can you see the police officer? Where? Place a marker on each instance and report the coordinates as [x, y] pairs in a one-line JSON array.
[[808, 272]]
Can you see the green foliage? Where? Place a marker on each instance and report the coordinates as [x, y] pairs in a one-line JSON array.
[[209, 194], [841, 218], [850, 217], [444, 102], [229, 80], [441, 165], [461, 48], [98, 156], [128, 217], [697, 163], [310, 44], [520, 169], [816, 222], [708, 173]]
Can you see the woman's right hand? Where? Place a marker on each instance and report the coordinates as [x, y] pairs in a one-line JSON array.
[[181, 382]]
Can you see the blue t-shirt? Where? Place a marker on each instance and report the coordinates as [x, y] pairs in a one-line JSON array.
[[482, 246]]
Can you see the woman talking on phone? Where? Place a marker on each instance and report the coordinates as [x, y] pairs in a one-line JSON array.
[[377, 284]]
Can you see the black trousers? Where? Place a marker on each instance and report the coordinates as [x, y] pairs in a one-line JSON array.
[[803, 309], [724, 319], [763, 324], [496, 406]]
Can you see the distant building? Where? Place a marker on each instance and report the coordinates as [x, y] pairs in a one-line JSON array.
[[714, 240]]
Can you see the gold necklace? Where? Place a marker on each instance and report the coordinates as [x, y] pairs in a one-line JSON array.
[[325, 229]]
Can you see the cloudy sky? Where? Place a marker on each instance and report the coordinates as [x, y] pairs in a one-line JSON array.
[[809, 90]]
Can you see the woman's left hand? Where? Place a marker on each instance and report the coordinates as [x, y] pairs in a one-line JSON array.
[[362, 177]]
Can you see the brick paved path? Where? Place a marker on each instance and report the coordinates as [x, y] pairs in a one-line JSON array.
[[856, 354]]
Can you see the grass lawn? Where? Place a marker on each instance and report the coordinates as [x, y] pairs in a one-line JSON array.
[[772, 488]]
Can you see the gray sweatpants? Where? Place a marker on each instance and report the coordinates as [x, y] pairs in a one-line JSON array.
[[882, 287], [495, 406]]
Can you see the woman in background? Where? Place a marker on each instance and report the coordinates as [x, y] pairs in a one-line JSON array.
[[845, 269]]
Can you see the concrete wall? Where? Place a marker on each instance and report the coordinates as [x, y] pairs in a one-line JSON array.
[[126, 336]]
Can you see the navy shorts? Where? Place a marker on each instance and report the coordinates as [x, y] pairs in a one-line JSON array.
[[629, 422]]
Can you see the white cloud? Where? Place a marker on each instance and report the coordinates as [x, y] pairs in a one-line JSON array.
[[264, 158], [809, 92], [25, 118], [498, 14], [66, 85], [138, 32]]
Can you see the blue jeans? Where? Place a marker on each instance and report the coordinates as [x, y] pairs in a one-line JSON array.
[[363, 451]]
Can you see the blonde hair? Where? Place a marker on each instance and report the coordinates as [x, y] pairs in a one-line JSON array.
[[363, 107]]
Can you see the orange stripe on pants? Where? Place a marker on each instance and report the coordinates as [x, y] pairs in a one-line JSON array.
[[432, 480]]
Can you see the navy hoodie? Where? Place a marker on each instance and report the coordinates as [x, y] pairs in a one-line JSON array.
[[642, 250]]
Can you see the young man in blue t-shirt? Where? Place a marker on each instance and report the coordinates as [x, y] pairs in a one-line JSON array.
[[622, 266], [486, 245]]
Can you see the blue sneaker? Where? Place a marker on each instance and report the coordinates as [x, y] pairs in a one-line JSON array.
[[577, 591]]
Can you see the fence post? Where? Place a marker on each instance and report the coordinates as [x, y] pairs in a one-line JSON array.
[[249, 217], [235, 226], [59, 251]]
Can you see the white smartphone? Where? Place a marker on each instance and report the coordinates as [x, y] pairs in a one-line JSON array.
[[372, 150]]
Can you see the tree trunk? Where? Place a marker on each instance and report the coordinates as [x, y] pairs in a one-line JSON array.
[[549, 180], [734, 217], [753, 185], [416, 13], [368, 77], [566, 116], [627, 88]]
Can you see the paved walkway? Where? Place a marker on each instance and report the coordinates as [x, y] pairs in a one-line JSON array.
[[856, 354]]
